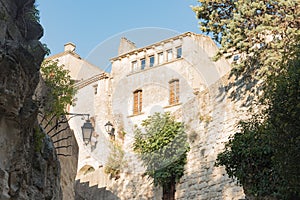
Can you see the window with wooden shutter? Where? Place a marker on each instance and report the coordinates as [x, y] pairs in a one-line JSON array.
[[137, 102], [174, 92]]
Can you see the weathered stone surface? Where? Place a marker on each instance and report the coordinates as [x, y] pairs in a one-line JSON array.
[[26, 172], [68, 158], [84, 191]]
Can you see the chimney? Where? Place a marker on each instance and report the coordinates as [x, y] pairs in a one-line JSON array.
[[125, 46], [70, 47]]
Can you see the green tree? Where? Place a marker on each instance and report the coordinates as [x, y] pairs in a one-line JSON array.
[[264, 155], [283, 98], [264, 36], [259, 32], [162, 146], [54, 96], [60, 88]]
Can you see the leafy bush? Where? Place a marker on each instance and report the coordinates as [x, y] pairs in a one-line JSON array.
[[60, 86], [162, 146], [115, 161]]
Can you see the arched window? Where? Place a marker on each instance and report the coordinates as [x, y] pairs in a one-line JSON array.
[[137, 102], [174, 91]]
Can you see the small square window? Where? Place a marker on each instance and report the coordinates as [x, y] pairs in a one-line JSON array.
[[151, 59]]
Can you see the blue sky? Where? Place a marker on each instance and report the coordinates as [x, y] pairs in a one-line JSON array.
[[91, 22]]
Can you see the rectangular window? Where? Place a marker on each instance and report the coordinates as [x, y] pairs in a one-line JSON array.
[[151, 59], [169, 54], [143, 63], [134, 65], [174, 92], [179, 52], [137, 102], [160, 58]]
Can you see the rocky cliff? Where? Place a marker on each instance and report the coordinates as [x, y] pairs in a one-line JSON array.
[[29, 168]]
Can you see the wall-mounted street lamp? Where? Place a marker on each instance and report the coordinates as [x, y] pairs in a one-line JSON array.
[[110, 129], [87, 128], [87, 131]]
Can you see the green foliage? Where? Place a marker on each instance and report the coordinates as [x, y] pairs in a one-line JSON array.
[[61, 89], [264, 155], [115, 161], [34, 14], [248, 157], [284, 123], [46, 49], [38, 139], [162, 146], [260, 32]]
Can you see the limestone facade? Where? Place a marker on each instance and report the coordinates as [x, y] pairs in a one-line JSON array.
[[175, 75]]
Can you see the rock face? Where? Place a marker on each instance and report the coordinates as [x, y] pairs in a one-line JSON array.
[[29, 168]]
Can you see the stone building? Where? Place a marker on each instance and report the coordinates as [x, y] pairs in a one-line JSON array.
[[175, 75]]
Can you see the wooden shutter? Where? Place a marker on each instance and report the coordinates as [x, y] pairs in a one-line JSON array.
[[137, 102], [174, 92], [140, 101], [171, 100]]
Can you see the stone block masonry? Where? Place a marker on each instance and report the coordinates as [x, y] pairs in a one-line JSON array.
[[210, 118]]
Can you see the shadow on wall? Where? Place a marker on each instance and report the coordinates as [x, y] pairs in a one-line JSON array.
[[209, 128], [84, 192]]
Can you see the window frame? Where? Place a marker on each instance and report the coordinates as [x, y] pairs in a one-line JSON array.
[[143, 63], [160, 57], [179, 48], [151, 64], [169, 52]]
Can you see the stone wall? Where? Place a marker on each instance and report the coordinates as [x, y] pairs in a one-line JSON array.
[[29, 168], [211, 117], [209, 106], [67, 151]]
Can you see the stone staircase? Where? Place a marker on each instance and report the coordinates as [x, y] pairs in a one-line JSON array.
[[97, 177]]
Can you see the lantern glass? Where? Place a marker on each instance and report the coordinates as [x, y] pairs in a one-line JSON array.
[[108, 127], [87, 130]]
